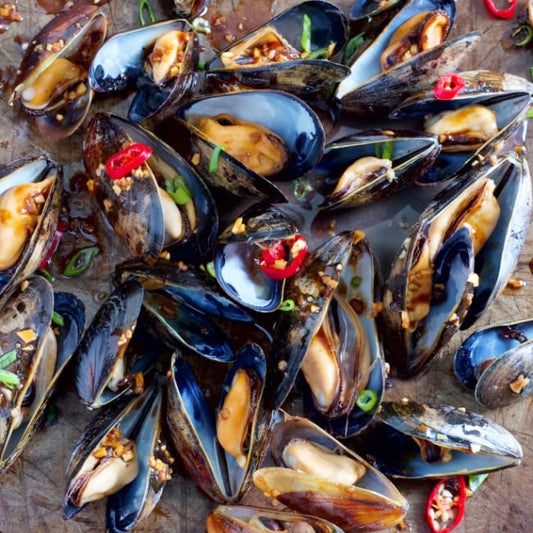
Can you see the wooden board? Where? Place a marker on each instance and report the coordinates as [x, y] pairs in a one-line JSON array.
[[31, 492]]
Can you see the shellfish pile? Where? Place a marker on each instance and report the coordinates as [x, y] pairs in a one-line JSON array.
[[228, 309]]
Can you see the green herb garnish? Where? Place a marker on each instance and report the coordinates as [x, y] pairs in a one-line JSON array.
[[177, 190], [80, 261], [353, 44], [287, 305], [144, 5], [384, 150], [7, 358], [367, 400], [9, 378], [306, 34], [213, 163], [57, 319], [527, 31]]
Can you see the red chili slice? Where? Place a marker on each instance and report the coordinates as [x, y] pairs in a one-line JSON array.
[[505, 14], [128, 159], [448, 86], [446, 504], [61, 228], [283, 259]]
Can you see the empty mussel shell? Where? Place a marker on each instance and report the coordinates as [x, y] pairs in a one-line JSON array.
[[272, 56], [238, 252], [421, 312], [366, 166], [373, 88], [472, 125], [160, 60], [433, 440], [52, 79], [30, 198], [496, 363], [249, 519], [319, 476]]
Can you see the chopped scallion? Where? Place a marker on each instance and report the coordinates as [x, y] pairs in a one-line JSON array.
[[57, 319], [306, 34], [213, 163], [287, 305], [353, 44], [355, 281], [384, 150], [80, 261], [210, 269], [7, 358], [144, 5], [177, 190], [9, 378], [367, 400]]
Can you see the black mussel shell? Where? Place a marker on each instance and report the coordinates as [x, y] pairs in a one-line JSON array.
[[496, 363]]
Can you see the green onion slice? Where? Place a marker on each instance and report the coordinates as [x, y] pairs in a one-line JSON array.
[[356, 281], [9, 378], [384, 150], [80, 261], [57, 319], [7, 358], [213, 164], [177, 190], [353, 44], [527, 31], [144, 5], [210, 269], [475, 481], [367, 400], [306, 34], [287, 305]]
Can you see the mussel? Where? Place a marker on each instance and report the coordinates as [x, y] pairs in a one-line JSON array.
[[284, 115], [455, 260], [319, 476], [248, 519], [160, 60], [366, 166], [52, 82], [30, 197], [220, 455], [405, 57], [33, 358], [496, 363], [272, 55], [416, 440], [120, 455], [162, 203], [238, 254], [474, 124]]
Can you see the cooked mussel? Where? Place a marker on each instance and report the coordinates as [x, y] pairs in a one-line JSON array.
[[369, 165], [369, 88], [317, 475], [272, 56], [160, 204], [432, 440], [30, 196], [160, 60], [120, 455], [496, 363], [472, 125], [220, 455], [27, 363], [248, 519], [435, 286], [52, 80], [284, 115]]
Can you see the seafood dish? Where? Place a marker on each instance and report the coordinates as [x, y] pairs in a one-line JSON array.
[[264, 265]]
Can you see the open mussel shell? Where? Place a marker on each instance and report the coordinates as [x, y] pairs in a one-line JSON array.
[[283, 114], [319, 476], [496, 363], [360, 363], [29, 356], [123, 63], [127, 507], [249, 519], [114, 453], [393, 160], [238, 252], [419, 312], [466, 140], [52, 81], [138, 210], [194, 432], [296, 73], [311, 290], [368, 88], [433, 441], [102, 363], [26, 236]]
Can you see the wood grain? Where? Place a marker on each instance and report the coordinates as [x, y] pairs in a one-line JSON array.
[[31, 491]]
